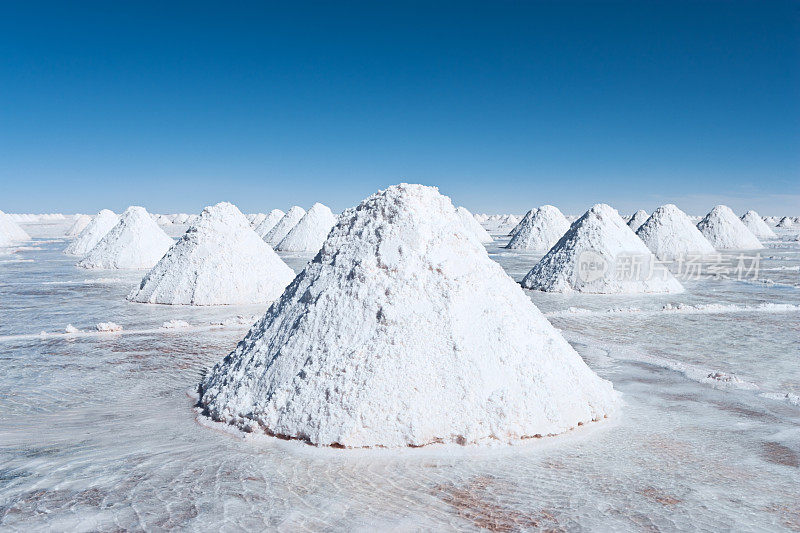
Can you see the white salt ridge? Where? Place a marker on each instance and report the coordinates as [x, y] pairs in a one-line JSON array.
[[93, 233], [473, 226], [136, 242], [599, 238], [687, 309], [78, 226], [175, 324], [403, 332], [757, 226], [785, 222], [11, 230], [725, 231], [108, 327], [540, 229], [219, 261], [269, 222], [284, 225], [669, 234], [310, 232], [638, 218]]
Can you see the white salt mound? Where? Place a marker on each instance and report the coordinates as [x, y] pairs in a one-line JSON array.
[[403, 332], [593, 257], [11, 230], [269, 222], [81, 221], [669, 234], [100, 225], [638, 218], [284, 225], [108, 327], [256, 219], [135, 242], [473, 226], [725, 231], [310, 232], [540, 229], [757, 226], [785, 222], [219, 261]]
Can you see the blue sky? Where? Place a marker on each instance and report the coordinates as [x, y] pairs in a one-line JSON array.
[[503, 105]]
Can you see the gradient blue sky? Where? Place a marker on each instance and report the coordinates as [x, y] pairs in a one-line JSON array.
[[503, 105]]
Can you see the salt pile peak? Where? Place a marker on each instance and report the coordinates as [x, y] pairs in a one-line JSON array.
[[600, 254], [473, 226], [757, 226], [284, 225], [135, 242], [403, 332], [310, 232], [669, 234], [11, 229], [100, 225], [638, 218], [269, 222], [725, 231], [540, 229], [220, 260], [81, 221]]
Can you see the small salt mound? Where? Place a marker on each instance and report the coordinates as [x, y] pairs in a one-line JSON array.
[[757, 226], [78, 226], [403, 332], [218, 261], [785, 222], [11, 229], [725, 231], [135, 242], [473, 226], [598, 255], [269, 222], [256, 219], [669, 234], [638, 218], [108, 327], [100, 225], [284, 225], [540, 229], [310, 232]]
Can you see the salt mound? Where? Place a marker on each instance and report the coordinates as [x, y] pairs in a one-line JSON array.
[[402, 332], [256, 219], [669, 234], [310, 232], [593, 256], [219, 261], [269, 222], [539, 230], [638, 218], [473, 226], [135, 242], [725, 231], [785, 222], [757, 226], [100, 225], [284, 225], [81, 221], [11, 229]]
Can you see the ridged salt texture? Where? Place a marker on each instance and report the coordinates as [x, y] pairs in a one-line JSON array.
[[638, 218], [310, 232], [669, 234], [725, 231], [402, 331], [284, 225], [757, 226], [473, 226], [219, 261], [269, 222], [539, 230], [135, 242], [100, 225], [81, 221], [592, 255], [11, 229]]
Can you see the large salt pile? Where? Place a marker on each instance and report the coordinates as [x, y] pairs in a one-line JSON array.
[[220, 260], [402, 332], [11, 229], [269, 222], [757, 226], [81, 221], [539, 230], [473, 226], [284, 225], [310, 232], [785, 222], [725, 231], [600, 254], [638, 218], [100, 225], [669, 234], [135, 242]]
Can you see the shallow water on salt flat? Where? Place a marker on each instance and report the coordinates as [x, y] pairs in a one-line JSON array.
[[98, 432]]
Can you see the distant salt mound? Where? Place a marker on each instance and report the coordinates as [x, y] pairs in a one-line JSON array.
[[11, 229], [539, 230], [403, 332], [638, 218], [669, 234], [135, 242], [81, 221], [757, 226], [284, 225], [785, 222], [256, 219], [725, 231], [269, 222], [594, 256], [473, 226], [219, 261], [310, 232], [100, 225]]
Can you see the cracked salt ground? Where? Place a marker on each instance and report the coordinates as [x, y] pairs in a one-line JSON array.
[[98, 433]]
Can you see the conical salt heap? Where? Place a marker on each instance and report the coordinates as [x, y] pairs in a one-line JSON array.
[[135, 242], [638, 218], [219, 261], [81, 221], [539, 230], [725, 231], [785, 222], [402, 332], [284, 225], [100, 225], [11, 229], [600, 254], [472, 225], [669, 234], [310, 232], [757, 226], [269, 222]]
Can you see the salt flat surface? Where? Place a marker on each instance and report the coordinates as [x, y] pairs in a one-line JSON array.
[[97, 432]]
